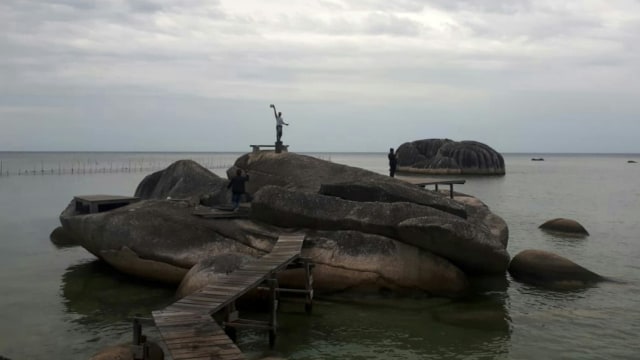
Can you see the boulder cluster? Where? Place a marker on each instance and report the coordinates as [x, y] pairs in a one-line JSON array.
[[364, 231]]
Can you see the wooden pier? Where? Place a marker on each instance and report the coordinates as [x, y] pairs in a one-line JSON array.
[[187, 326], [91, 204], [423, 182]]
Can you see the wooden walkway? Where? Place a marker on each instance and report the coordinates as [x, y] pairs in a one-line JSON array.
[[422, 182], [187, 326]]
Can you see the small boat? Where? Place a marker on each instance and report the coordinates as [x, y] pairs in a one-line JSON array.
[[631, 161], [537, 159]]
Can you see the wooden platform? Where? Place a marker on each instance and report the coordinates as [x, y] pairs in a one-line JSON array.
[[91, 204], [423, 182], [209, 213], [278, 147], [187, 327]]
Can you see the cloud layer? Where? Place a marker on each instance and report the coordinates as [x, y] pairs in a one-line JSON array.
[[364, 74]]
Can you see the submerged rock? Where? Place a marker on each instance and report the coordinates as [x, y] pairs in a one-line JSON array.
[[547, 269], [444, 156], [566, 226]]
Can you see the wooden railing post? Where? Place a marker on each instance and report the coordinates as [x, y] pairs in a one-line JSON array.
[[308, 285], [139, 347], [273, 306]]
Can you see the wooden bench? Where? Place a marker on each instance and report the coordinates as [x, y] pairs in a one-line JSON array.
[[422, 182], [91, 204], [256, 148]]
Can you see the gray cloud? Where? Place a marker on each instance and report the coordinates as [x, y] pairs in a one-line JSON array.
[[205, 70], [490, 6]]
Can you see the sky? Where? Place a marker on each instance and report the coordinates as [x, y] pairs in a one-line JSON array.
[[357, 75]]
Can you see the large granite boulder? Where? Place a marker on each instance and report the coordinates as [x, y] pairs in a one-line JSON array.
[[354, 237], [444, 156], [300, 172], [547, 269], [352, 260], [468, 246], [161, 240], [184, 179], [296, 209], [390, 192]]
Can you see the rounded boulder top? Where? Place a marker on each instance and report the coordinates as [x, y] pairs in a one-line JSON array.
[[547, 269], [445, 156], [565, 226]]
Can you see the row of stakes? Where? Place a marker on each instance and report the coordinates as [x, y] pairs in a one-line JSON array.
[[84, 169], [81, 169]]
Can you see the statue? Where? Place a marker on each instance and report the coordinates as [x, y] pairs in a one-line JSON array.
[[279, 123]]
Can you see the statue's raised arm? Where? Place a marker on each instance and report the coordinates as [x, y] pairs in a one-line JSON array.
[[275, 113]]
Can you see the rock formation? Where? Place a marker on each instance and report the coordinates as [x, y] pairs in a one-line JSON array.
[[444, 156], [363, 230], [187, 180]]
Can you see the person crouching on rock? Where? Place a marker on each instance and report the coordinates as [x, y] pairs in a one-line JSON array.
[[237, 188]]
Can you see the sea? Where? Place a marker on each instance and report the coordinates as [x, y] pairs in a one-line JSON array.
[[62, 303]]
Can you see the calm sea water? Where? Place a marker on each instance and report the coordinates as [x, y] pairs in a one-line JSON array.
[[60, 303]]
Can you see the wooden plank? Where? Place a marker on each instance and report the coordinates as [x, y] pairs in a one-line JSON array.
[[186, 341], [181, 321], [210, 296], [191, 335], [188, 307], [201, 303]]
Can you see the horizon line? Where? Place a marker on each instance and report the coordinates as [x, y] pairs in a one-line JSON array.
[[303, 152]]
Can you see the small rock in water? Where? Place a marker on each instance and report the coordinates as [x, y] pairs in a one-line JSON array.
[[62, 238], [566, 226], [547, 269]]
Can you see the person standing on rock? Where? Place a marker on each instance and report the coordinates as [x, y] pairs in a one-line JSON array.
[[393, 162], [237, 188], [279, 123]]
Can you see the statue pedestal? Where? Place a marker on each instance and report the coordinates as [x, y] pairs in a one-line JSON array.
[[280, 147]]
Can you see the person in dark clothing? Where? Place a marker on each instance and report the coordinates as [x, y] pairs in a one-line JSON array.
[[393, 162], [237, 188]]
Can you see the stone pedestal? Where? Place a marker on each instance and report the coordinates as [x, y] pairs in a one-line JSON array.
[[280, 147]]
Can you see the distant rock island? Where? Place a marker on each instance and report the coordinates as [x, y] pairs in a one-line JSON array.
[[445, 156]]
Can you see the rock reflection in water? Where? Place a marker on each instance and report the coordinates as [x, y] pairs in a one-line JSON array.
[[397, 327], [100, 294]]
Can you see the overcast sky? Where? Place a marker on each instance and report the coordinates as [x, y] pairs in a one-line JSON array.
[[357, 75]]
